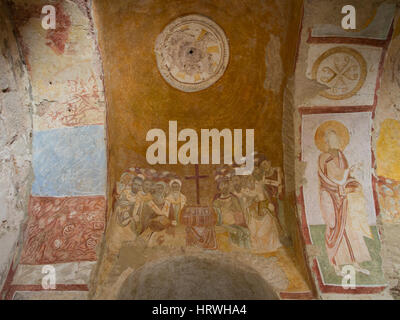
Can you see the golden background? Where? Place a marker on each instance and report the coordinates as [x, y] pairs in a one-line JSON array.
[[139, 99]]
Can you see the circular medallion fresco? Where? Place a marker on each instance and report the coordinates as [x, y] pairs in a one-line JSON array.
[[192, 53], [343, 70]]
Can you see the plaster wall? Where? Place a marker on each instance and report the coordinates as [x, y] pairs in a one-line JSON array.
[[15, 144]]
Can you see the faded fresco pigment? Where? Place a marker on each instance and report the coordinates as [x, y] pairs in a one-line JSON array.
[[200, 149]]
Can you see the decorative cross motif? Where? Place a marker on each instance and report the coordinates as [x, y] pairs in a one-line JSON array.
[[197, 177], [343, 70]]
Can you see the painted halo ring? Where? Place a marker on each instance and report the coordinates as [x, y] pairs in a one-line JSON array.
[[340, 130]]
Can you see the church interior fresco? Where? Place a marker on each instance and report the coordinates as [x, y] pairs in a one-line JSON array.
[[321, 198]]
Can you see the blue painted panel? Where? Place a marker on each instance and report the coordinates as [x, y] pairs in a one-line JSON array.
[[69, 162]]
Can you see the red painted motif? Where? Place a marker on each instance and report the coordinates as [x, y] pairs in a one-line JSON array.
[[57, 38], [38, 287], [82, 99], [63, 229], [200, 227]]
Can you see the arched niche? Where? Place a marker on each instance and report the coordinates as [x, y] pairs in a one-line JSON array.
[[196, 278]]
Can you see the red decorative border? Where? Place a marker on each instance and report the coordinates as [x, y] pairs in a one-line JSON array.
[[344, 109], [304, 224], [37, 287], [9, 289]]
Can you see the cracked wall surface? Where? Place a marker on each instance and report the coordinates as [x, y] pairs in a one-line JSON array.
[[15, 143], [328, 111], [66, 208]]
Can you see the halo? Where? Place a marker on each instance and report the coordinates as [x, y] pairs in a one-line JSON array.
[[175, 181], [339, 128]]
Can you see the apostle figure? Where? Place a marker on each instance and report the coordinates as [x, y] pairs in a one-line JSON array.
[[118, 231], [272, 178], [249, 196], [127, 201], [246, 196], [142, 197], [157, 227], [237, 190], [123, 185], [177, 200], [342, 200], [230, 218], [148, 185], [262, 222], [157, 208]]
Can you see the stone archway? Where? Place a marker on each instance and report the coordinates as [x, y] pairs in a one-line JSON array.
[[196, 278]]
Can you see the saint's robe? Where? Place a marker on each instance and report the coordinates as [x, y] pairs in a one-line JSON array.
[[343, 209], [157, 229], [262, 223], [231, 218], [178, 202]]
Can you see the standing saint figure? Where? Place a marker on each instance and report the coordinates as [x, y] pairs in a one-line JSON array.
[[272, 178], [262, 221], [237, 190], [342, 200]]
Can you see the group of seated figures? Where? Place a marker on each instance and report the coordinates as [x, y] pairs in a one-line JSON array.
[[242, 215], [247, 208], [150, 203]]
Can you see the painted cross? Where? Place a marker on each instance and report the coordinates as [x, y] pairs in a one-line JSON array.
[[197, 177]]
